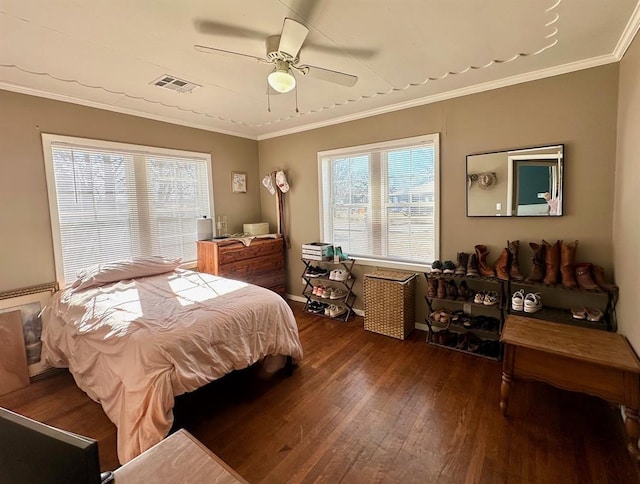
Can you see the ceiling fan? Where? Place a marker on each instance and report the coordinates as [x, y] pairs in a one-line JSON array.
[[282, 52]]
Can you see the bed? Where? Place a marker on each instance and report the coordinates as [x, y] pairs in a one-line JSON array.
[[135, 334]]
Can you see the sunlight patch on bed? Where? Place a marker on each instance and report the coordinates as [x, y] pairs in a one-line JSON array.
[[195, 289], [117, 314]]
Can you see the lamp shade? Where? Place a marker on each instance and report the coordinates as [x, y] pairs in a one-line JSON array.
[[281, 80]]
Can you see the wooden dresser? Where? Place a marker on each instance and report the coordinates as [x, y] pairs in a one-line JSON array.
[[261, 263]]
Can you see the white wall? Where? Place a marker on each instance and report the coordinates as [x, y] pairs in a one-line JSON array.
[[626, 219]]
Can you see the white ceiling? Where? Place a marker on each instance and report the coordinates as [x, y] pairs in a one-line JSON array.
[[105, 53]]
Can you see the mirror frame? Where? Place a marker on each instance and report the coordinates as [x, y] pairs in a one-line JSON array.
[[507, 164]]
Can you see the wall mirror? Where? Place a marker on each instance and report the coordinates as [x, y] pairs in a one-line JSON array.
[[516, 183]]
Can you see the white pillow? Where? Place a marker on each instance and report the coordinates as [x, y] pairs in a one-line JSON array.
[[107, 272]]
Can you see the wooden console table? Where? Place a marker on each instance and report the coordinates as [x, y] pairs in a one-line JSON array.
[[178, 458], [573, 358]]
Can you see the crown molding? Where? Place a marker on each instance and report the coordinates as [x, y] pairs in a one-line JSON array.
[[629, 33], [632, 27], [116, 109], [465, 91]]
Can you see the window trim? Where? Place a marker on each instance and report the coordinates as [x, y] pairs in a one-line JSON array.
[[72, 141], [431, 139]]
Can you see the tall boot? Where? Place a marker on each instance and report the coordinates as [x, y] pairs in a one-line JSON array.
[[442, 288], [432, 287], [514, 270], [537, 262], [551, 262], [472, 266], [501, 265], [598, 276], [583, 277], [482, 253], [567, 261], [463, 260]]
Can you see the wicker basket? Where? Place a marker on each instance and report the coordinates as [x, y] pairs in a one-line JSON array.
[[389, 306]]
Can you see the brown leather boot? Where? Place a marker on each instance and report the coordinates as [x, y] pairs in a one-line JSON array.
[[551, 262], [537, 262], [472, 266], [452, 290], [442, 288], [583, 276], [567, 261], [514, 269], [483, 267], [598, 276], [463, 260], [432, 287], [501, 265]]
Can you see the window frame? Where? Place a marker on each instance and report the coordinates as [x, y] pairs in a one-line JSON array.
[[95, 144], [431, 139]]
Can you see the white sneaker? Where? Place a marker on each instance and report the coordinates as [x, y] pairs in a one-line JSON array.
[[338, 293], [341, 275], [337, 311], [532, 303], [517, 300]]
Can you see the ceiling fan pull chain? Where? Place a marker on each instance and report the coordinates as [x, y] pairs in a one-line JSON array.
[[297, 111], [268, 98]]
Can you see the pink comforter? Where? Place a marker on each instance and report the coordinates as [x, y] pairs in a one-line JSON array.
[[133, 345]]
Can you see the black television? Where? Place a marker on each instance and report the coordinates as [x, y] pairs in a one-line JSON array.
[[33, 452]]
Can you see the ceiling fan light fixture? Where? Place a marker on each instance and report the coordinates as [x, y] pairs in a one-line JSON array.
[[281, 79]]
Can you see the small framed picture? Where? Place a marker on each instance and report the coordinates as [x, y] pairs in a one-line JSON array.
[[239, 181], [29, 302]]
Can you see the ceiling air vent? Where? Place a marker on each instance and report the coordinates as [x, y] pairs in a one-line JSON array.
[[175, 84]]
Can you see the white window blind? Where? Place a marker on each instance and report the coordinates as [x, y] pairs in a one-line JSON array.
[[110, 201], [380, 201]]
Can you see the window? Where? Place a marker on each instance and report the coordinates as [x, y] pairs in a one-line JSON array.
[[111, 201], [380, 201]]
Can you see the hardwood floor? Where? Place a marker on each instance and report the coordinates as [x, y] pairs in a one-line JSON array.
[[362, 407]]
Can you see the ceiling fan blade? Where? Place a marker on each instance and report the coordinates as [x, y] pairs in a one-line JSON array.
[[219, 28], [356, 52], [292, 37], [213, 50], [304, 8], [328, 75]]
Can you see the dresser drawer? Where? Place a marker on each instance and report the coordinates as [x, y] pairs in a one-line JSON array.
[[249, 267], [229, 254]]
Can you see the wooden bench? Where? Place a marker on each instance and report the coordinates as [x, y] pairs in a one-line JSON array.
[[573, 358], [179, 458]]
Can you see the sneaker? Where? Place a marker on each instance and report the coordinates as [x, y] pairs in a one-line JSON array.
[[337, 311], [436, 267], [479, 298], [594, 314], [326, 294], [312, 271], [316, 307], [517, 301], [338, 293], [341, 275], [579, 313], [321, 272], [448, 267], [532, 303], [491, 298]]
